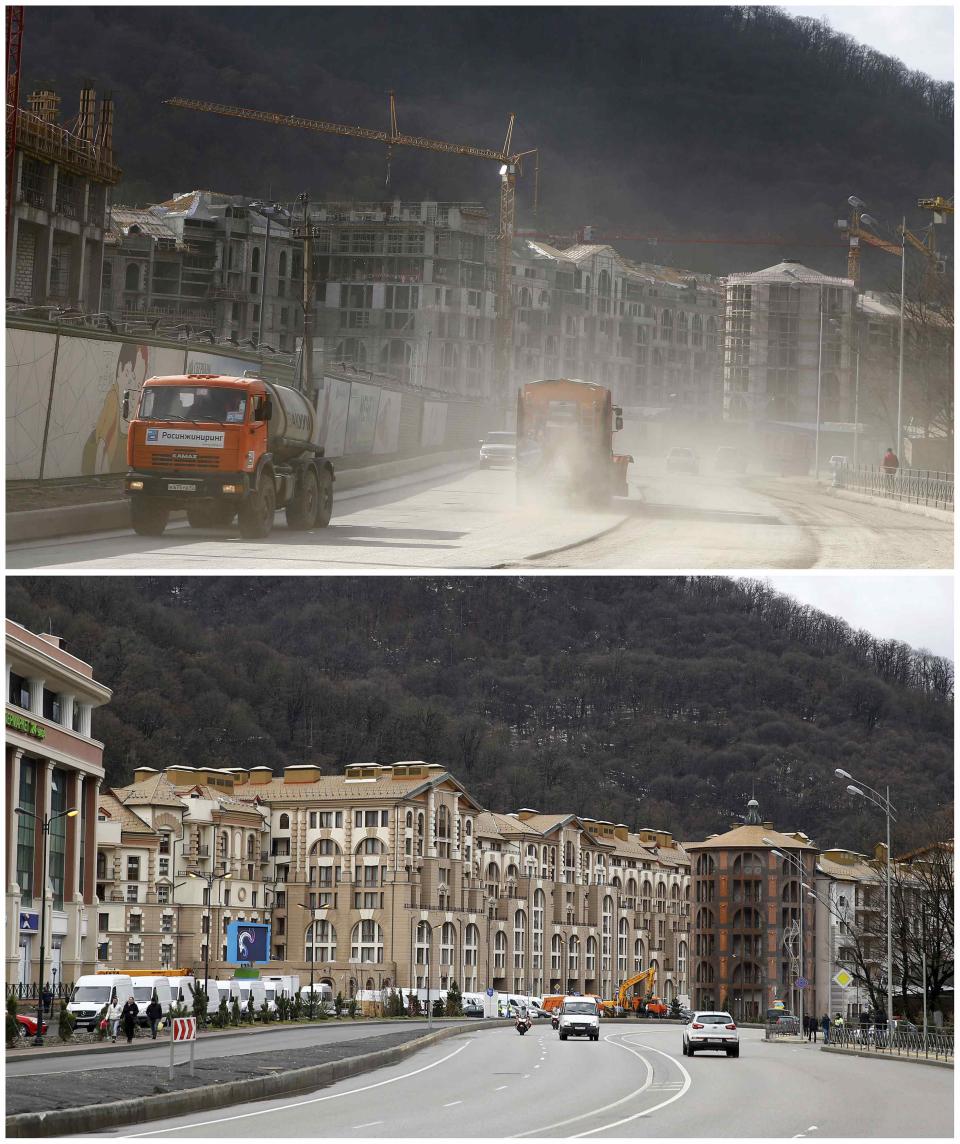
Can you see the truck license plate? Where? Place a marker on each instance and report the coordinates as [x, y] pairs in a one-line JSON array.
[[179, 487]]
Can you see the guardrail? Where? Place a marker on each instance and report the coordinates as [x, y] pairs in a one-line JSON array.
[[29, 992], [936, 1045], [914, 486]]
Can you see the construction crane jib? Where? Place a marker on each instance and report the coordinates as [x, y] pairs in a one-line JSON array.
[[509, 164]]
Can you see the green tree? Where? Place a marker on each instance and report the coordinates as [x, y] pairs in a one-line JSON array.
[[352, 1008], [338, 1004], [675, 1009], [235, 1015], [454, 1002], [13, 1026]]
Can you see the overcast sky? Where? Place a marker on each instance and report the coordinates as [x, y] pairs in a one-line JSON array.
[[920, 35], [917, 609]]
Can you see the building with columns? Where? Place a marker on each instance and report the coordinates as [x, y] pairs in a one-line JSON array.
[[53, 765]]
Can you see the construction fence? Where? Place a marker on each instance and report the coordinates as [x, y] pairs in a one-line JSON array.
[[65, 387]]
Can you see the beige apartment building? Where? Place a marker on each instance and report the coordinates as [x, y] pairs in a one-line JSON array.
[[391, 876]]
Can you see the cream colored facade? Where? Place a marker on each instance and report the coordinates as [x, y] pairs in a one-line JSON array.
[[394, 875], [53, 764]]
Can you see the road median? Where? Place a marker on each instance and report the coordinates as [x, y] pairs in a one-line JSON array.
[[203, 1097]]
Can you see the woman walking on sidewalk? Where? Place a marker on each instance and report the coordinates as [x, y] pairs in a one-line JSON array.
[[114, 1013], [154, 1013]]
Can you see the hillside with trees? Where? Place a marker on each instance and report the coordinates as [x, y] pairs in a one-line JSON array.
[[655, 701], [736, 121]]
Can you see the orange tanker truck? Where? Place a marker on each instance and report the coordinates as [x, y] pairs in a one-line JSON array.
[[565, 433], [224, 447]]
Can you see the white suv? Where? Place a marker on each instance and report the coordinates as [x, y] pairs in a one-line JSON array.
[[579, 1017], [711, 1030]]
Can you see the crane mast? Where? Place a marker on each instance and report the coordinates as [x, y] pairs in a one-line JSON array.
[[510, 166]]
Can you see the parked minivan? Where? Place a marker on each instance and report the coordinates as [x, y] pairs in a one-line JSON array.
[[94, 990], [143, 991]]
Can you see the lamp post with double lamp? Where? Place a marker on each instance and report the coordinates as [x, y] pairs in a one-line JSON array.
[[209, 879], [46, 821], [313, 938], [855, 786], [798, 865]]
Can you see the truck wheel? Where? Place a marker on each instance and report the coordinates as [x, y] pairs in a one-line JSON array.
[[148, 517], [324, 500], [303, 506], [257, 511]]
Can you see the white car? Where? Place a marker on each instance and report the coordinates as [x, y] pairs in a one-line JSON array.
[[579, 1017], [711, 1029], [498, 448]]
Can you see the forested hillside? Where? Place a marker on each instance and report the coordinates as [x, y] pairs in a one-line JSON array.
[[653, 701], [736, 121]]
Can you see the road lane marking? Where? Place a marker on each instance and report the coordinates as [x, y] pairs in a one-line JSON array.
[[301, 1103], [452, 1103], [688, 1080], [603, 1108], [800, 1135], [369, 1124], [501, 1087]]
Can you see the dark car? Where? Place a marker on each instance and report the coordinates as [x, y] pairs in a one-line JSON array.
[[729, 460], [680, 460], [472, 1009], [27, 1026]]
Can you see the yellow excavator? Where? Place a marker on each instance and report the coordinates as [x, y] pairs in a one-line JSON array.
[[642, 998]]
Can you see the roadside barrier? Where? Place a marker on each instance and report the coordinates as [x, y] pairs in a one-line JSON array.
[[912, 486]]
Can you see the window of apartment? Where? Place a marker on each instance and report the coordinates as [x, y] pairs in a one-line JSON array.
[[19, 691], [134, 923], [165, 842], [134, 951], [166, 923], [52, 709], [367, 900], [103, 922], [164, 867], [163, 893], [133, 869], [133, 893]]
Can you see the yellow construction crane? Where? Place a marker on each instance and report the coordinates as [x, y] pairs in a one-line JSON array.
[[508, 161], [855, 231]]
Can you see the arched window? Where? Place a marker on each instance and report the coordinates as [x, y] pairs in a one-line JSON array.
[[661, 898], [325, 864], [623, 940], [424, 936], [500, 952], [748, 865], [131, 278], [370, 846], [448, 942], [556, 953], [284, 823], [519, 939], [591, 967], [443, 823], [325, 942], [225, 845], [366, 942], [251, 841], [704, 919], [639, 955], [706, 865], [471, 943], [409, 819], [646, 892], [539, 904], [574, 955], [681, 965], [107, 279]]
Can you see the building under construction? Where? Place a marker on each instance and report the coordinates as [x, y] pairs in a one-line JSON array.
[[58, 198]]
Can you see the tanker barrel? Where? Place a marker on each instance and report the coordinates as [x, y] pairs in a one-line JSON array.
[[294, 425]]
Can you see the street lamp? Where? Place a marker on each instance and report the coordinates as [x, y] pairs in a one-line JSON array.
[[269, 211], [313, 937], [797, 864], [45, 824], [209, 879], [883, 803], [872, 223]]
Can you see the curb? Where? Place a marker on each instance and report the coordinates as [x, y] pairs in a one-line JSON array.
[[901, 506], [877, 1057], [137, 1110], [106, 516]]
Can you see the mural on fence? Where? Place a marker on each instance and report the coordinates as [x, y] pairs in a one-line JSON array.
[[434, 428], [361, 418], [105, 450], [334, 404], [387, 436]]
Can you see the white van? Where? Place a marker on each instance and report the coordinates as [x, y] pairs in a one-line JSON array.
[[94, 990], [181, 991], [245, 988], [143, 990]]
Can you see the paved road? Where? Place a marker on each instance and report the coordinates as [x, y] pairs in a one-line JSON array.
[[633, 1082], [471, 520]]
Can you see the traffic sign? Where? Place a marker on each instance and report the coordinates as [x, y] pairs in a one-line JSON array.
[[801, 983], [843, 979]]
